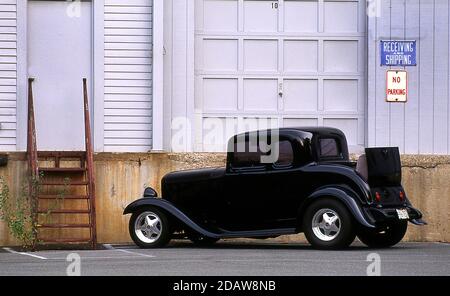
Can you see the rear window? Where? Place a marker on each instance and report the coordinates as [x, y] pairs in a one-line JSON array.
[[329, 148]]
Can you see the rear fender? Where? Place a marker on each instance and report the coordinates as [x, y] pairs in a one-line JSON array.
[[171, 210], [345, 198]]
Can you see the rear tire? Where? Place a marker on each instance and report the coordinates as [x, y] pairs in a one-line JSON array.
[[386, 238], [328, 225], [150, 228]]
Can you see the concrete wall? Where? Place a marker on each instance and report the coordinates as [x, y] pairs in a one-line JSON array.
[[121, 179]]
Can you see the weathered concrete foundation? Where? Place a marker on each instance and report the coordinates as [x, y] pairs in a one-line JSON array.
[[121, 178]]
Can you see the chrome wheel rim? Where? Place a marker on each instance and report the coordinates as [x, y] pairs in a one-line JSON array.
[[148, 227], [326, 224]]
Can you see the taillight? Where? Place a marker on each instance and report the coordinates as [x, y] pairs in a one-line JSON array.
[[377, 196], [402, 195]]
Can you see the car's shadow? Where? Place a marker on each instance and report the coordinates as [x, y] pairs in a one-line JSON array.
[[257, 245], [185, 244]]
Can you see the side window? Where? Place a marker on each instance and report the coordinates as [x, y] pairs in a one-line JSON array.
[[329, 148], [246, 156], [286, 154]]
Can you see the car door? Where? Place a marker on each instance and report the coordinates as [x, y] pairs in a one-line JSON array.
[[254, 189], [285, 183], [246, 192]]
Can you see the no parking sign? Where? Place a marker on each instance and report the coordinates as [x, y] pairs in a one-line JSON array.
[[396, 86]]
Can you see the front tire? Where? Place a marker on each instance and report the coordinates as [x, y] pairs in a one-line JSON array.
[[149, 228], [328, 225], [385, 238]]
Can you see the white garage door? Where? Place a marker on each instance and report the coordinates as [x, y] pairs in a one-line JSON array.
[[285, 63]]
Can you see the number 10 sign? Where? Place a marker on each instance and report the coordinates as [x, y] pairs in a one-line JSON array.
[[396, 86]]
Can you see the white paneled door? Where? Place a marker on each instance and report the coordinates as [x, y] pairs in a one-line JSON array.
[[59, 56], [279, 63]]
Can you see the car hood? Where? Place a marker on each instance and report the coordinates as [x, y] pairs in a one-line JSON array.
[[192, 175]]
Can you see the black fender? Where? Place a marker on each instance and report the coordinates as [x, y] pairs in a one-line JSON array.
[[171, 210], [341, 195]]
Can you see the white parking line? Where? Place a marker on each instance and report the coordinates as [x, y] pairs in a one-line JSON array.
[[24, 253], [110, 247]]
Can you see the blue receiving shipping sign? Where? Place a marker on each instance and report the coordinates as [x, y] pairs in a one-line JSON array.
[[398, 53]]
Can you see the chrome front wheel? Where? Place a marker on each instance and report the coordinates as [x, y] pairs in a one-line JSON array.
[[149, 228]]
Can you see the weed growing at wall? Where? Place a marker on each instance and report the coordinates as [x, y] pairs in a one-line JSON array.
[[18, 213]]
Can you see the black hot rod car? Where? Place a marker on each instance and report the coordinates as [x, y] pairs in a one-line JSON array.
[[311, 186]]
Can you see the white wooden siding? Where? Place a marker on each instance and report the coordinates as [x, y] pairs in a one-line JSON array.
[[422, 125], [8, 74], [128, 75]]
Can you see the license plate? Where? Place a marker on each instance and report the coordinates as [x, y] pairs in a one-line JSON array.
[[402, 214]]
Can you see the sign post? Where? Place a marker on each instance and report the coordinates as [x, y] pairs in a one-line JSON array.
[[396, 86]]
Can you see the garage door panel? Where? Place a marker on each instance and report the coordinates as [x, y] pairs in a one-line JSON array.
[[348, 126], [340, 95], [248, 52], [220, 15], [301, 16], [261, 55], [215, 133], [255, 123], [260, 95], [301, 55], [300, 95], [220, 55], [341, 16], [260, 16], [296, 122], [340, 56], [220, 94]]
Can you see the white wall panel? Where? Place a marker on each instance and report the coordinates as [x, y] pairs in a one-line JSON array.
[[8, 75], [128, 76], [422, 125]]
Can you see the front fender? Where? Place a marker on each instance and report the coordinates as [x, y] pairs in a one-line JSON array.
[[171, 210], [345, 198]]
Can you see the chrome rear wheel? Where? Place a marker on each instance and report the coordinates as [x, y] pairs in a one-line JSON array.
[[326, 224]]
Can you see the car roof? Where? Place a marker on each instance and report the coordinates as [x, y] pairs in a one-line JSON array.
[[317, 131]]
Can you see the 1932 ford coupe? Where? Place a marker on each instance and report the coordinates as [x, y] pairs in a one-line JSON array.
[[311, 186]]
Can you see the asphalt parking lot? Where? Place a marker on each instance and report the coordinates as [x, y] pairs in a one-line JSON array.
[[232, 258]]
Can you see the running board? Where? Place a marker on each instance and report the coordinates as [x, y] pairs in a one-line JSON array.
[[256, 233]]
